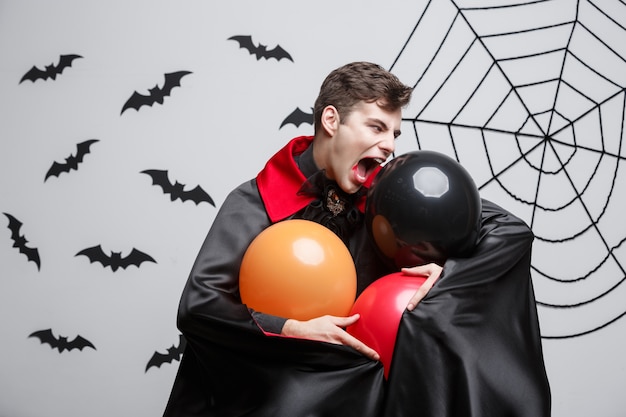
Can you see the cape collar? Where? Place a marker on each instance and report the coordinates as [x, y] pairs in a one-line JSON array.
[[281, 179]]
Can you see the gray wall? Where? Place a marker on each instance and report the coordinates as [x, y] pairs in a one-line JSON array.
[[530, 99]]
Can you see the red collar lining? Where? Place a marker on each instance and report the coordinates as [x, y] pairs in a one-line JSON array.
[[280, 180]]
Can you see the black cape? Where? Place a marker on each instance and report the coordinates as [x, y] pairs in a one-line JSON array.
[[232, 367], [472, 347]]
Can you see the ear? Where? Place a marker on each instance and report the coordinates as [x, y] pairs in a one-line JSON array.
[[330, 120]]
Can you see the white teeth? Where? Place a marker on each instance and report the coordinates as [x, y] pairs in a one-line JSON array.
[[379, 161]]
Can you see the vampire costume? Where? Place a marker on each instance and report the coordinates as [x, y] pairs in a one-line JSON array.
[[236, 364]]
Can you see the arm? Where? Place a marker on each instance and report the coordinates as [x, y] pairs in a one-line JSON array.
[[503, 241], [495, 224], [211, 294]]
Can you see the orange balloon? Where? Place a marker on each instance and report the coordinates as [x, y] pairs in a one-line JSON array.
[[298, 269]]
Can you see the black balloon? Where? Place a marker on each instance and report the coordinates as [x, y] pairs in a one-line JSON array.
[[423, 207]]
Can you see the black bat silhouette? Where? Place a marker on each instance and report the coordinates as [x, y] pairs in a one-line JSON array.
[[260, 51], [61, 343], [115, 261], [173, 354], [297, 117], [157, 95], [72, 161], [19, 241], [176, 190], [51, 70]]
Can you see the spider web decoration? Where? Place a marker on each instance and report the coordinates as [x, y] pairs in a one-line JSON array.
[[530, 96]]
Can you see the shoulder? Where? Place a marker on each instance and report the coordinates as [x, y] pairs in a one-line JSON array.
[[246, 196], [497, 220]]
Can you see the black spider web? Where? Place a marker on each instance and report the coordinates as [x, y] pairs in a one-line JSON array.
[[530, 97]]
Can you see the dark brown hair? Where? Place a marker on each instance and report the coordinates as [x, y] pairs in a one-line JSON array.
[[360, 81]]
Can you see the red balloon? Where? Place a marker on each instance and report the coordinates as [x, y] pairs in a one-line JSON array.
[[298, 269], [381, 306]]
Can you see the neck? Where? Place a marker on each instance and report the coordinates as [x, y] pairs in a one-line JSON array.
[[320, 151]]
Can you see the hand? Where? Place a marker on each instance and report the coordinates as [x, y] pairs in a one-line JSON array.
[[432, 271], [328, 329]]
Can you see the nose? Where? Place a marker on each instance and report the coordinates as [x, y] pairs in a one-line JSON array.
[[388, 144]]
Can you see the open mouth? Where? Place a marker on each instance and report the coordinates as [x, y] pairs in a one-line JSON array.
[[366, 167]]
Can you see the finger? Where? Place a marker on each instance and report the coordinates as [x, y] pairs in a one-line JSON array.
[[421, 292], [345, 321], [360, 347], [421, 270]]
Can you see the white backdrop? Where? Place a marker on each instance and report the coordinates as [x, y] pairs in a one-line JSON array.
[[529, 97]]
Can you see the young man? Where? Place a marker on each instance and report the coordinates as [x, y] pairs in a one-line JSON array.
[[243, 362]]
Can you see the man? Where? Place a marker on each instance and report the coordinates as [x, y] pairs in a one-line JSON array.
[[243, 362]]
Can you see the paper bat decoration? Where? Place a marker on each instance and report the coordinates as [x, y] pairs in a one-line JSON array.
[[19, 241], [177, 190], [72, 161], [173, 354], [260, 51], [297, 117], [115, 260], [51, 70], [61, 343], [156, 94]]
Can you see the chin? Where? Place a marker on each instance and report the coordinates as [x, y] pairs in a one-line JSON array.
[[349, 186], [352, 189]]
